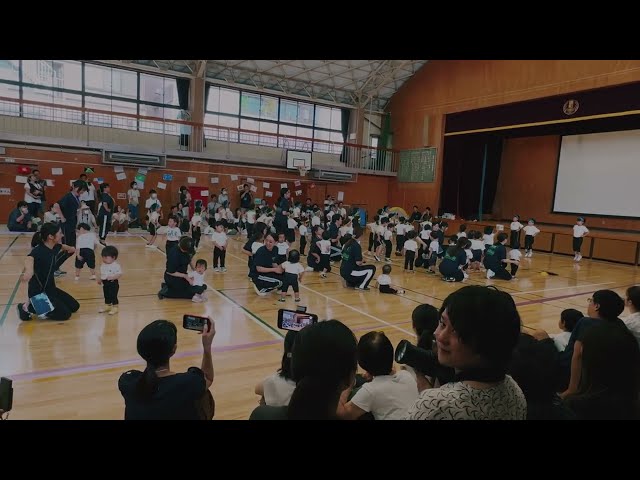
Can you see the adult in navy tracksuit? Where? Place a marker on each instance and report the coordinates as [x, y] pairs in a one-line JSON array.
[[105, 212], [266, 274]]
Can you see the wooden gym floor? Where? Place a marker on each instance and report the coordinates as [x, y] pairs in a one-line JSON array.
[[69, 370]]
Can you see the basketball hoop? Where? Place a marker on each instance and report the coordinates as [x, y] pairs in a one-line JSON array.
[[303, 170]]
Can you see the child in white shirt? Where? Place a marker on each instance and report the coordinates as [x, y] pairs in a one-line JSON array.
[[173, 234], [283, 248], [515, 228], [409, 249], [196, 231], [292, 224], [579, 232], [530, 231], [325, 250], [154, 219], [384, 282], [219, 239], [515, 255], [303, 230], [110, 272], [293, 273], [86, 242], [198, 280], [569, 318], [251, 220]]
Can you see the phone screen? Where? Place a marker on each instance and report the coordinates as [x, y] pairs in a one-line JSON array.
[[194, 322], [296, 321]]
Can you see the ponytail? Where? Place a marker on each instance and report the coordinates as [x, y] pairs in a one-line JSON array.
[[147, 384], [313, 399]]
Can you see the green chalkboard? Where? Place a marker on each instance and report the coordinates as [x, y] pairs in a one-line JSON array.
[[417, 165]]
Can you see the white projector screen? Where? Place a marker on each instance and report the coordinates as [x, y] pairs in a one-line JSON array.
[[598, 174]]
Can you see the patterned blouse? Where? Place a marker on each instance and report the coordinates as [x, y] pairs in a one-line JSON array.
[[459, 401]]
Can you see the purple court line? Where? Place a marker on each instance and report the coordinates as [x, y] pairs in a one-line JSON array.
[[125, 363]]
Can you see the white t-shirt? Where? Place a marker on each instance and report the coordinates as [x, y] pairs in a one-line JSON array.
[[387, 397], [516, 226], [151, 201], [384, 280], [488, 238], [196, 220], [255, 246], [315, 220], [531, 230], [400, 229], [283, 248], [90, 194], [561, 340], [294, 268], [388, 234], [411, 245], [133, 195], [633, 324], [425, 234], [303, 230], [579, 231], [346, 230], [51, 217], [198, 278], [459, 401], [434, 246], [325, 247], [296, 212], [515, 254], [469, 253], [27, 197], [173, 234], [477, 244], [462, 235], [153, 217], [291, 223], [107, 270], [86, 240], [251, 216], [220, 238], [277, 390]]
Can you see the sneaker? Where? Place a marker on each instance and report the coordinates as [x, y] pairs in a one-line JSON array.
[[22, 313], [323, 275], [308, 269], [364, 289], [103, 243], [377, 258], [297, 300], [149, 245], [258, 291], [77, 278], [163, 292], [387, 260], [578, 258], [216, 269], [223, 269], [490, 274], [281, 299], [113, 310], [92, 277], [104, 308], [263, 291], [197, 298]]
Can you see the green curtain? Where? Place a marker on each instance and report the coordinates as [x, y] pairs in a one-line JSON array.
[[381, 157]]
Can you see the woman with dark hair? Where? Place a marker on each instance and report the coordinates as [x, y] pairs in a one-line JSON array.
[[478, 330], [314, 257], [324, 363], [282, 211], [610, 382], [604, 308], [177, 282], [266, 273], [39, 267], [276, 389], [453, 261], [354, 272], [160, 394]]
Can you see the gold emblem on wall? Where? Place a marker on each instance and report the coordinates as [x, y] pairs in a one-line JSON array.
[[570, 107]]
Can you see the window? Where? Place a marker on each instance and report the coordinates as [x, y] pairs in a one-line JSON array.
[[97, 79], [229, 101], [250, 105], [268, 108], [124, 83], [249, 137], [288, 111], [10, 70], [268, 140], [373, 143], [8, 107]]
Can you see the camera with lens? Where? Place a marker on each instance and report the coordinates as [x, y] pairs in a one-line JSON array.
[[422, 358]]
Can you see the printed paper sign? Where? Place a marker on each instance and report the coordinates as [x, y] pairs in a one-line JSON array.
[[143, 171], [162, 186], [215, 180], [21, 179], [167, 177], [268, 194], [340, 196], [298, 192], [118, 169], [191, 179], [56, 171], [297, 183], [284, 185], [266, 185], [204, 193], [234, 178], [50, 183], [121, 176], [122, 196], [250, 180], [253, 188]]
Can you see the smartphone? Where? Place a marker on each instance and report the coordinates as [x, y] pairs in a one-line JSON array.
[[6, 394], [294, 320], [194, 322]]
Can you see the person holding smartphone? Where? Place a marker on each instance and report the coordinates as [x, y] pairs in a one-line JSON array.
[[159, 393]]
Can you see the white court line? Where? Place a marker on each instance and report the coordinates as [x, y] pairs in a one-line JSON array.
[[563, 288], [230, 302], [345, 305]]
